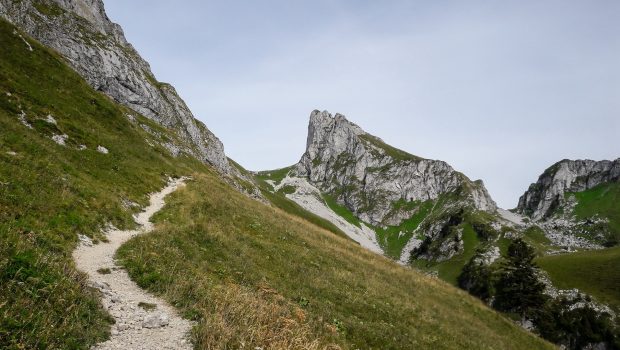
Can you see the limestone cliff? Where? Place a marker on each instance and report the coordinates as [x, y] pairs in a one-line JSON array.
[[369, 177], [97, 49], [547, 194]]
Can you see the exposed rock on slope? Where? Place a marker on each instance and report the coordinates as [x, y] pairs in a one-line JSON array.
[[417, 208], [547, 194], [369, 176], [97, 49]]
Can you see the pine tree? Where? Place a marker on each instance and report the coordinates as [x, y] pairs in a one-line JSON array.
[[518, 289], [476, 278]]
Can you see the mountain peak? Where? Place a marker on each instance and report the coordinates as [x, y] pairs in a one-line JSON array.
[[339, 154], [547, 194]]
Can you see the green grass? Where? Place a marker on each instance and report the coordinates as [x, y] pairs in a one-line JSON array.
[[450, 269], [341, 210], [602, 201], [49, 193], [287, 205], [394, 238], [595, 272], [274, 175], [535, 237], [397, 154], [268, 279]]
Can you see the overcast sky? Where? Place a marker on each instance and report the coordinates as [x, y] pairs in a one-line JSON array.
[[498, 89]]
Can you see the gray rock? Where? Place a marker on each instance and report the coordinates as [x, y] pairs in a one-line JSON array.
[[97, 49], [102, 149], [155, 320], [371, 176], [547, 194]]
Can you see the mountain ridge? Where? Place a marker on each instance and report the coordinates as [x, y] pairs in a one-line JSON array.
[[97, 49], [567, 175]]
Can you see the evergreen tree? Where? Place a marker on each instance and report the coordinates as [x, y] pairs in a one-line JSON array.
[[476, 278], [518, 289]]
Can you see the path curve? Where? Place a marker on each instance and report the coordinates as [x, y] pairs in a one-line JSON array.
[[135, 328]]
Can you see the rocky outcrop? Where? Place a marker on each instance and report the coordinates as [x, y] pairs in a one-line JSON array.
[[547, 194], [97, 49], [374, 180]]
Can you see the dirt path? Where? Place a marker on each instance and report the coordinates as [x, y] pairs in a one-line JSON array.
[[136, 327]]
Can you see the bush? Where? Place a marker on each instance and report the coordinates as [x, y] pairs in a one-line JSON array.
[[476, 278]]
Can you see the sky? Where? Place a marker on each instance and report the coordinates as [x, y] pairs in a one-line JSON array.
[[500, 90]]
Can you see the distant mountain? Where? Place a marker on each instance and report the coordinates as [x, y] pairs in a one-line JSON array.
[[578, 199], [388, 200], [97, 49]]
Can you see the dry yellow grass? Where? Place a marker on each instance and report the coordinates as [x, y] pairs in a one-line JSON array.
[[254, 276]]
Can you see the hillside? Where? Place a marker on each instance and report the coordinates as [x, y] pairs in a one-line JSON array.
[[417, 211], [97, 49], [575, 205], [271, 280], [72, 162], [75, 162]]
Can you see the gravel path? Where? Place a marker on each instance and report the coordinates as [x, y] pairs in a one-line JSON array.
[[142, 320]]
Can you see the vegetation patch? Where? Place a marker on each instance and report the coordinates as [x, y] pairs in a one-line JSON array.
[[274, 175], [393, 152], [341, 210], [147, 306], [594, 272], [292, 282], [393, 239], [49, 194], [601, 201]]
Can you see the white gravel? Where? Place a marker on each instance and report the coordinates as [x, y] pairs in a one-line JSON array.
[[309, 198], [135, 327], [511, 217]]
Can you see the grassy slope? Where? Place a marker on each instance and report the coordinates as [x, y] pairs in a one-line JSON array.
[[450, 269], [50, 193], [257, 276], [602, 201], [279, 199], [394, 238], [595, 272]]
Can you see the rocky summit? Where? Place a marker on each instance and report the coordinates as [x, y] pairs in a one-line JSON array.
[[386, 199], [369, 177], [97, 49], [548, 194]]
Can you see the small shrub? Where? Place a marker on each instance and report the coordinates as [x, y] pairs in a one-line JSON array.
[[303, 302], [147, 306]]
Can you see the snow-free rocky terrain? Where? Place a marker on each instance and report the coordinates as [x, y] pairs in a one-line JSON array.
[[417, 211], [143, 321], [397, 200], [97, 49]]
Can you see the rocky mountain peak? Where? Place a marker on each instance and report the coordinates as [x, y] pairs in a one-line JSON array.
[[330, 133], [547, 194], [97, 49], [369, 177]]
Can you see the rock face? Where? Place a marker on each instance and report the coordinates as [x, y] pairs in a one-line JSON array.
[[97, 49], [547, 194], [370, 177]]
